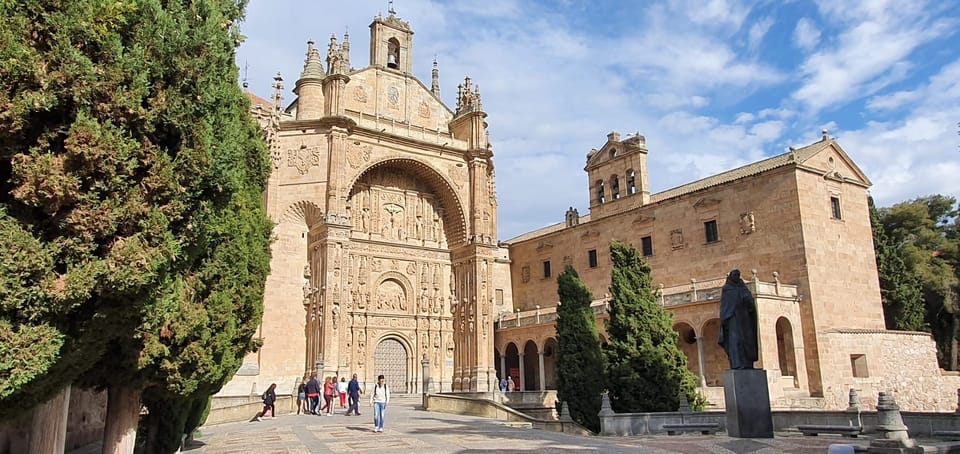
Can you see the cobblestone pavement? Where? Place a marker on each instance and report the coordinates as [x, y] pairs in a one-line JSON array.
[[409, 430]]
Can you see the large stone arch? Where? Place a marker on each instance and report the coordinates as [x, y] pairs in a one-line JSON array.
[[454, 215]]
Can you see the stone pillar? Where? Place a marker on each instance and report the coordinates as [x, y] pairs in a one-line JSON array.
[[521, 381], [427, 382], [606, 416], [892, 434], [702, 379], [543, 374], [747, 399], [504, 372]]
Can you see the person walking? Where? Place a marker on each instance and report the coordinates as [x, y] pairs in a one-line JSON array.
[[313, 393], [269, 398], [342, 390], [354, 392], [327, 397], [379, 398], [302, 396]]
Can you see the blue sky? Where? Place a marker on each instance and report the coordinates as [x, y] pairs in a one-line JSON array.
[[711, 84]]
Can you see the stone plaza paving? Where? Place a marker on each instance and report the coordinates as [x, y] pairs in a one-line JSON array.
[[410, 430]]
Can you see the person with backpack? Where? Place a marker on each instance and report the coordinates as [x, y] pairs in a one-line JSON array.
[[379, 398], [313, 393], [269, 398]]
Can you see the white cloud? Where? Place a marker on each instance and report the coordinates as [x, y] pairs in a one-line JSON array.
[[758, 31], [868, 55], [806, 35]]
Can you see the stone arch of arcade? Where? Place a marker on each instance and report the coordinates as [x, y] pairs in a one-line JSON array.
[[533, 368], [705, 359]]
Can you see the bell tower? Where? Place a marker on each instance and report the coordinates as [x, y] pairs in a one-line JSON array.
[[391, 43]]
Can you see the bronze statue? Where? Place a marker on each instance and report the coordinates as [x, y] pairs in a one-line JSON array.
[[738, 323]]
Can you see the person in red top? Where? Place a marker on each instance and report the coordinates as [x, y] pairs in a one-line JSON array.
[[327, 396]]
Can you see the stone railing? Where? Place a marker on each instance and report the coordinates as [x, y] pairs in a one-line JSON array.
[[709, 290], [675, 295], [401, 128]]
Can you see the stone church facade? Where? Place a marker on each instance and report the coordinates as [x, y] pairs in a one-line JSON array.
[[386, 258]]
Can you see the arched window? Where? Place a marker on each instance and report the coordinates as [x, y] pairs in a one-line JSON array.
[[613, 153], [631, 182], [600, 196], [393, 53], [615, 187]]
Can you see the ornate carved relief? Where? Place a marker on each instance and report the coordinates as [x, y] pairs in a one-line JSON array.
[[458, 176], [393, 97], [358, 155], [424, 110], [676, 239], [303, 158], [391, 296], [360, 94], [748, 224]]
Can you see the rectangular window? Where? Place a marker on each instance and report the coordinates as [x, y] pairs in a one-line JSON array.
[[835, 208], [592, 258], [646, 245], [710, 228], [546, 269], [859, 365]]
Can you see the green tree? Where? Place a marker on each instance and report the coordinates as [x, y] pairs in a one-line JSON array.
[[132, 181], [900, 289], [579, 360], [928, 245], [646, 371]]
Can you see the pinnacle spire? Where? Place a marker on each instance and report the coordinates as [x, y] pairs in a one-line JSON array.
[[312, 67], [435, 84]]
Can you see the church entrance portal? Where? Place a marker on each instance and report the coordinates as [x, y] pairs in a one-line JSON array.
[[390, 359]]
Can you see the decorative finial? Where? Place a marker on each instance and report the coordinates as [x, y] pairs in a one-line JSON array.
[[246, 67], [392, 11], [825, 133]]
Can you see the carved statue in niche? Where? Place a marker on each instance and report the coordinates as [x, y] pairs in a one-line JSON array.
[[436, 276], [418, 228], [470, 319], [437, 301], [436, 348], [361, 347], [436, 229], [364, 219], [424, 343], [483, 271], [424, 301], [449, 344], [336, 315]]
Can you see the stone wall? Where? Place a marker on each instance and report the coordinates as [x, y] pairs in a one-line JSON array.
[[904, 363]]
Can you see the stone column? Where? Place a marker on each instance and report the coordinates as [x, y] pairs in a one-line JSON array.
[[543, 374], [504, 372], [703, 378], [521, 379]]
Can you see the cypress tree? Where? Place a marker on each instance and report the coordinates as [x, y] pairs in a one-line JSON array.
[[646, 371], [132, 179], [900, 288], [579, 360]]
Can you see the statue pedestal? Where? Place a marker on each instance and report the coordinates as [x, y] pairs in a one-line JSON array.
[[748, 403]]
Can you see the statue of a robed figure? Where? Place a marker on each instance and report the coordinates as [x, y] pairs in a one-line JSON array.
[[738, 323], [745, 390]]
